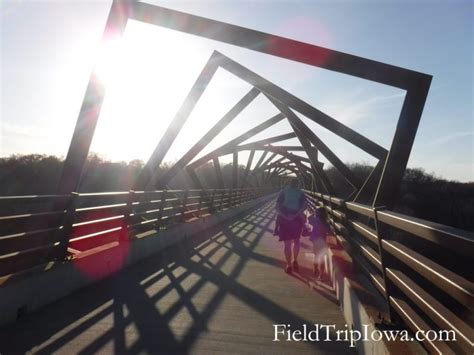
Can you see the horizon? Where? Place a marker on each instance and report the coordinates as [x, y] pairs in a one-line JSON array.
[[65, 54], [169, 163]]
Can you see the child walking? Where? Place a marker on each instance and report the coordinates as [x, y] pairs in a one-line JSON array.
[[318, 236]]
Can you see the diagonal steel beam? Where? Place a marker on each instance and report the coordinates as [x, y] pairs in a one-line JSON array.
[[275, 45], [304, 170], [91, 107], [275, 139], [301, 106], [366, 194], [312, 153], [247, 168], [292, 148], [242, 138], [301, 129], [323, 182], [206, 139], [218, 171], [195, 179], [279, 160], [178, 121], [266, 162], [280, 166], [402, 144], [279, 150], [255, 173], [260, 161]]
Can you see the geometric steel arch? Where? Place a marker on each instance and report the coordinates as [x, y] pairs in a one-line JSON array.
[[392, 163]]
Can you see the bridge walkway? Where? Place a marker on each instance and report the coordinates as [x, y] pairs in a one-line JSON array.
[[221, 292]]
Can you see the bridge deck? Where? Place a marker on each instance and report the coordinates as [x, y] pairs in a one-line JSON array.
[[221, 294]]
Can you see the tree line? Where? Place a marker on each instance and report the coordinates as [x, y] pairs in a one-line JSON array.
[[422, 195]]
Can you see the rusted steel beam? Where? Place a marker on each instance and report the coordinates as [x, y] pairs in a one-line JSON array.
[[207, 138], [178, 121], [242, 138]]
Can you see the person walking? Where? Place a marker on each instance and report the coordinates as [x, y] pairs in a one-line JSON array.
[[290, 206]]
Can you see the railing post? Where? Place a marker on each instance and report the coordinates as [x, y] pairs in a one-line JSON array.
[[221, 203], [68, 221], [162, 208], [382, 232], [128, 212], [201, 193], [183, 206], [229, 200], [211, 208], [241, 192]]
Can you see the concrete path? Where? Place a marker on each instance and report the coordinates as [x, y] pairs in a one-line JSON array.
[[222, 294]]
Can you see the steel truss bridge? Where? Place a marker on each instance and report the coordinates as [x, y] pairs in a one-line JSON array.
[[419, 268]]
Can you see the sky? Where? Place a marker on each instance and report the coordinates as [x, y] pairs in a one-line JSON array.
[[49, 48]]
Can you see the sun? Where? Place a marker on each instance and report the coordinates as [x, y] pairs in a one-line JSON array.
[[146, 74], [111, 58]]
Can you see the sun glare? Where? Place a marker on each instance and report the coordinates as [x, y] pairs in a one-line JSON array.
[[111, 58], [147, 74]]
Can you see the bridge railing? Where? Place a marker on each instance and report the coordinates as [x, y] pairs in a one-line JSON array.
[[36, 229], [423, 269]]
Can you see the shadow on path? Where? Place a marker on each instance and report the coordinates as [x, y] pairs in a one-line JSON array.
[[220, 291]]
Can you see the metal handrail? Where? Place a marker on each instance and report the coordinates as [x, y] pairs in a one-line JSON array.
[[390, 278], [91, 215]]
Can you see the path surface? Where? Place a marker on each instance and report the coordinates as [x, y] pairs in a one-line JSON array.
[[221, 295]]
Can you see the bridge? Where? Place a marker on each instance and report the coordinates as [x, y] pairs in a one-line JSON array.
[[198, 270]]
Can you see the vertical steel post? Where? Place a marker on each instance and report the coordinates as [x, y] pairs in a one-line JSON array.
[[218, 171], [211, 208], [382, 232], [184, 203], [235, 169], [129, 209], [65, 232], [162, 208], [402, 143], [201, 199], [247, 168]]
